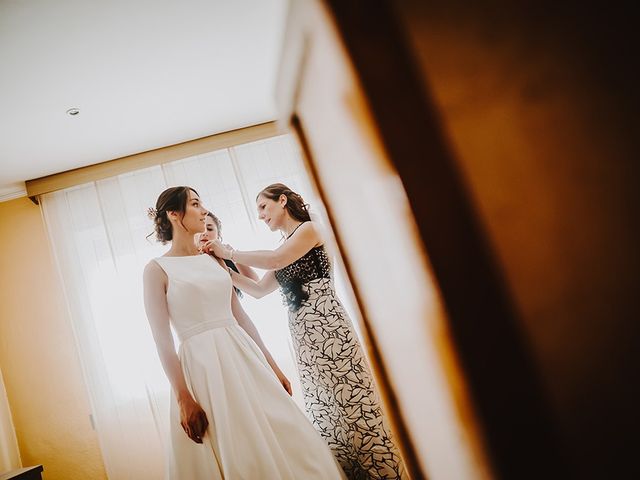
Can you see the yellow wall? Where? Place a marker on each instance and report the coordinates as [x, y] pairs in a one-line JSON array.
[[39, 361]]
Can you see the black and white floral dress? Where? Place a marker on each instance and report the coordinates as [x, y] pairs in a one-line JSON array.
[[339, 393]]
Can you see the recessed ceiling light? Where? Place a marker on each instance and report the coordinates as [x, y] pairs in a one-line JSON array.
[[73, 111]]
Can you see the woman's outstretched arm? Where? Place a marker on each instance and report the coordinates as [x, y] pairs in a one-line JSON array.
[[192, 418], [259, 289], [304, 239], [248, 326], [248, 272]]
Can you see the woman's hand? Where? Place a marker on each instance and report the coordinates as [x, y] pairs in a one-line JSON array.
[[283, 380], [218, 249], [193, 419]]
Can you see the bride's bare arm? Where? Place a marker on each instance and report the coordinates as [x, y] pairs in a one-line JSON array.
[[248, 326], [259, 289], [193, 418]]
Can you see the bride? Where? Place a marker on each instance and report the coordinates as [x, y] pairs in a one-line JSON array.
[[231, 418]]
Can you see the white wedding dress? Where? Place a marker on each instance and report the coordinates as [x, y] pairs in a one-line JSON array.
[[256, 431]]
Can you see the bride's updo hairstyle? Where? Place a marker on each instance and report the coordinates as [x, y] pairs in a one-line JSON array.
[[173, 199], [295, 204]]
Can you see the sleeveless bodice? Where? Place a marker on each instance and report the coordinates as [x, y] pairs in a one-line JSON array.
[[198, 294], [313, 265]]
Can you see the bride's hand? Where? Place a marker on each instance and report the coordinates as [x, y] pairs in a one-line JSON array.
[[284, 381], [193, 419]]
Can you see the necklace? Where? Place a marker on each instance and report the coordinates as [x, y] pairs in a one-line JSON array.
[[294, 230]]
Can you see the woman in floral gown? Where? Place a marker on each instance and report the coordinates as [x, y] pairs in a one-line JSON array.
[[339, 392]]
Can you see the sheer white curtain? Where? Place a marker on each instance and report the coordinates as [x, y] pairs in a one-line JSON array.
[[9, 453], [98, 234]]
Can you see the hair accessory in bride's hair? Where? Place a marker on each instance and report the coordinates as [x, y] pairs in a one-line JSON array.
[[152, 213]]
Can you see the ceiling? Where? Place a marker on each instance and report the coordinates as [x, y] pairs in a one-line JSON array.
[[143, 73]]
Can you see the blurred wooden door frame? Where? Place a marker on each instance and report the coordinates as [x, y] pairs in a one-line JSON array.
[[515, 427]]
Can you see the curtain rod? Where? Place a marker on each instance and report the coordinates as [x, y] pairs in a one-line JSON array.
[[111, 168]]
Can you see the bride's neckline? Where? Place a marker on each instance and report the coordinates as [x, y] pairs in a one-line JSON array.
[[182, 256]]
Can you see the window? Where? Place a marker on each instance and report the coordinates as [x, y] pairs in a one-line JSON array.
[[99, 236]]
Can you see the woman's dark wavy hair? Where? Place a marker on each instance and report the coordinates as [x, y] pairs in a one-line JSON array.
[[173, 199], [295, 204]]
